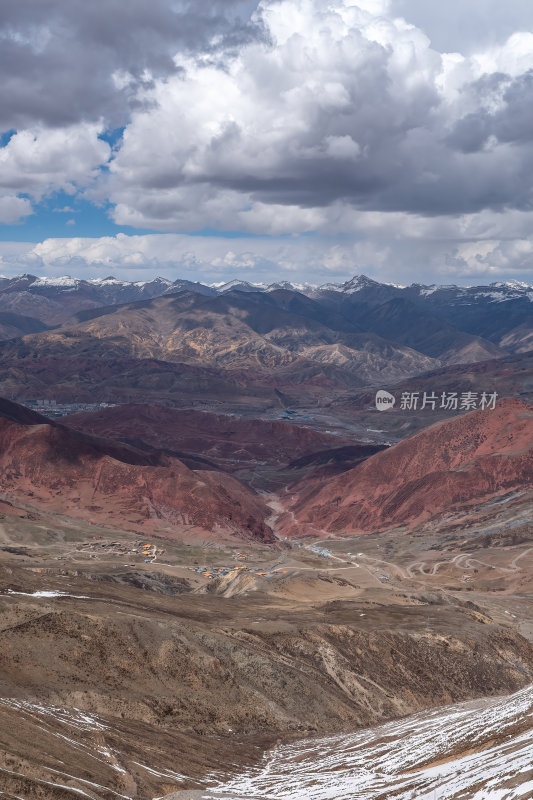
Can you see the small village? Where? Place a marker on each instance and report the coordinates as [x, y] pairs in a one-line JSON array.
[[219, 572], [53, 409], [97, 547]]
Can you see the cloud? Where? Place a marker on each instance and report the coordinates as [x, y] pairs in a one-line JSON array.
[[503, 115], [466, 26], [40, 161], [14, 209], [350, 126], [415, 258], [492, 258], [347, 109], [58, 58]]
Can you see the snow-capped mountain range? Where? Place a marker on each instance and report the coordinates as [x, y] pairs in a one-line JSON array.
[[496, 319], [499, 291]]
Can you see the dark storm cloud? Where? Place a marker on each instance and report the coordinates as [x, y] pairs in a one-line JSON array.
[[58, 57], [512, 122]]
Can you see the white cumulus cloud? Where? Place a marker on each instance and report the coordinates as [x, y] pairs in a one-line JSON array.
[[423, 258], [349, 132], [43, 160], [345, 109]]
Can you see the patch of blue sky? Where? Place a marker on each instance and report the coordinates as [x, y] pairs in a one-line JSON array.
[[6, 136], [113, 136], [64, 216]]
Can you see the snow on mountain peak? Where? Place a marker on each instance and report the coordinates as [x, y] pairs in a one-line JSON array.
[[64, 281], [359, 282], [496, 292], [238, 284], [512, 284], [109, 281]]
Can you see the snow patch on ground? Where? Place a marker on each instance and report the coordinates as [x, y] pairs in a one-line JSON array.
[[49, 594], [479, 750]]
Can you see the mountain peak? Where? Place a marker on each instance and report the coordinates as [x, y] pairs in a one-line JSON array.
[[359, 282], [239, 285], [62, 280], [512, 284]]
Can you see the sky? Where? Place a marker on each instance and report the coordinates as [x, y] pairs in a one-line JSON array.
[[303, 140]]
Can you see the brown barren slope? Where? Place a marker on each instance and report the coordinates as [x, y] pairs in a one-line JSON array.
[[450, 464], [202, 347], [218, 437], [43, 463]]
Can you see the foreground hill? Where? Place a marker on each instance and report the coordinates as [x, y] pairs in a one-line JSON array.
[[108, 688], [45, 464], [447, 466]]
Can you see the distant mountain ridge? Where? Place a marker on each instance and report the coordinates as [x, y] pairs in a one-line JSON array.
[[230, 344], [153, 341], [501, 313], [498, 291], [54, 300], [163, 341]]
